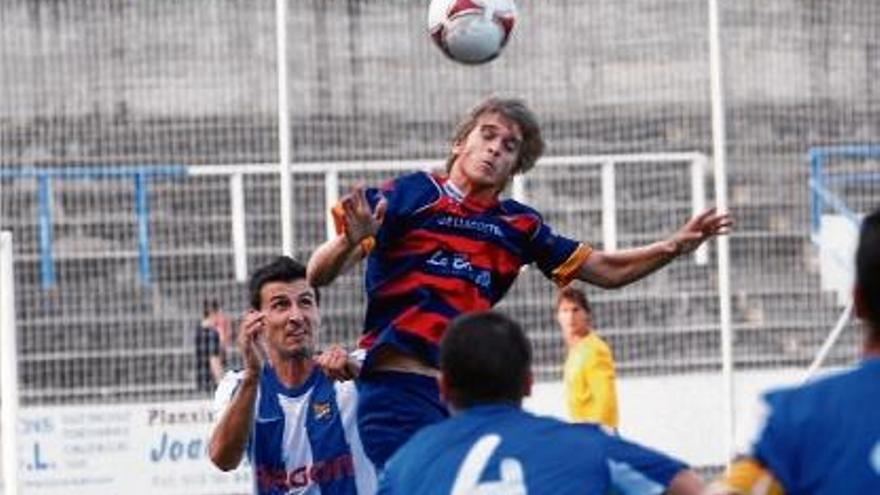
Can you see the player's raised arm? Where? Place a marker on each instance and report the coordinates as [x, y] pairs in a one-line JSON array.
[[238, 393], [356, 226], [619, 268]]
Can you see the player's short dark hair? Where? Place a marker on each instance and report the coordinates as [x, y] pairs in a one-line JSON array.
[[516, 110], [574, 295], [485, 357], [868, 267], [281, 269]]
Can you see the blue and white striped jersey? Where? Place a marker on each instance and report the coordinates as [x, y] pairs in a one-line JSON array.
[[304, 440], [501, 449]]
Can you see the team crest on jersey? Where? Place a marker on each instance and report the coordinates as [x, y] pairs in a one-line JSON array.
[[322, 410]]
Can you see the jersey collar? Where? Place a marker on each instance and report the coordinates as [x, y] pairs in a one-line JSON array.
[[452, 191]]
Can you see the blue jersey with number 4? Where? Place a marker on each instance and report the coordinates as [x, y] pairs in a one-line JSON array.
[[500, 449]]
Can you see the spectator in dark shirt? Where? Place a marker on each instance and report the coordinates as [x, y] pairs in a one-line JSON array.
[[209, 355]]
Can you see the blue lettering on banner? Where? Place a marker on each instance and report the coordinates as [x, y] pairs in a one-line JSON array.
[[176, 450], [35, 426], [38, 463]]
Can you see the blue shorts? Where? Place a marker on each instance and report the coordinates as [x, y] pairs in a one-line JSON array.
[[392, 406]]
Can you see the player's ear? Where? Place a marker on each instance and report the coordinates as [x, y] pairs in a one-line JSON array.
[[859, 306], [458, 145]]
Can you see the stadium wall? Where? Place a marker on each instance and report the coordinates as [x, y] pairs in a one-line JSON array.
[[111, 73]]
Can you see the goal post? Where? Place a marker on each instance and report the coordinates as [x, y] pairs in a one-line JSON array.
[[8, 368]]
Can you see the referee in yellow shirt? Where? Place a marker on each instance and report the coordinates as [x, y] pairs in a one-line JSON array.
[[590, 390]]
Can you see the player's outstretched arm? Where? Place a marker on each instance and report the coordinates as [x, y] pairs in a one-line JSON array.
[[230, 435], [356, 226], [619, 268], [333, 258]]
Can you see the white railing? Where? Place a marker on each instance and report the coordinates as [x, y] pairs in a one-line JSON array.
[[608, 165]]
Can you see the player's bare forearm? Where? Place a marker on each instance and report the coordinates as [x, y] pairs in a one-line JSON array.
[[619, 268], [230, 436], [331, 259]]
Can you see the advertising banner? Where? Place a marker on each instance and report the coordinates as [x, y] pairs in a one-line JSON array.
[[127, 449]]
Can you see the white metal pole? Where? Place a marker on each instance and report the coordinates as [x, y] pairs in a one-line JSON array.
[[698, 201], [609, 207], [331, 196], [719, 152], [8, 369], [284, 129], [239, 238]]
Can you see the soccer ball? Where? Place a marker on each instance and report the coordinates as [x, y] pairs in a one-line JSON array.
[[471, 31]]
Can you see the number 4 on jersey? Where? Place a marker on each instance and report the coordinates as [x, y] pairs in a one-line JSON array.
[[467, 480]]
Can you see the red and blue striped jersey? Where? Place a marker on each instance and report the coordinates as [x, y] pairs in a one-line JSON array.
[[439, 254]]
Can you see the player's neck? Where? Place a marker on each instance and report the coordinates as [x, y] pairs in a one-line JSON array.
[[293, 372], [469, 189], [871, 347], [572, 341]]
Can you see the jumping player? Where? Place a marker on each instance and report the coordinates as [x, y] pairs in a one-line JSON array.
[[440, 246]]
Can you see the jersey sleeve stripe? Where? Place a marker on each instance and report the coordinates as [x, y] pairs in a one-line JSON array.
[[565, 273]]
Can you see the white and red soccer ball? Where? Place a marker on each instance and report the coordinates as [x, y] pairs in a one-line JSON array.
[[471, 31]]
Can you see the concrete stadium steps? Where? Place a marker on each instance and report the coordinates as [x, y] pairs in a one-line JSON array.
[[85, 334], [101, 333], [636, 310], [142, 373], [100, 214], [96, 299], [649, 333], [196, 211], [653, 350], [166, 266], [627, 313]]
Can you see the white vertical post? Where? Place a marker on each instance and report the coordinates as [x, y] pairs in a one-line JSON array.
[[239, 240], [331, 196], [719, 152], [698, 200], [609, 207], [284, 129], [8, 369]]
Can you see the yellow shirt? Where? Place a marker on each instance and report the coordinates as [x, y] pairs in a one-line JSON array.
[[590, 390]]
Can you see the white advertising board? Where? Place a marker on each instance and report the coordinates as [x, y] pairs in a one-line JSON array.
[[122, 449]]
